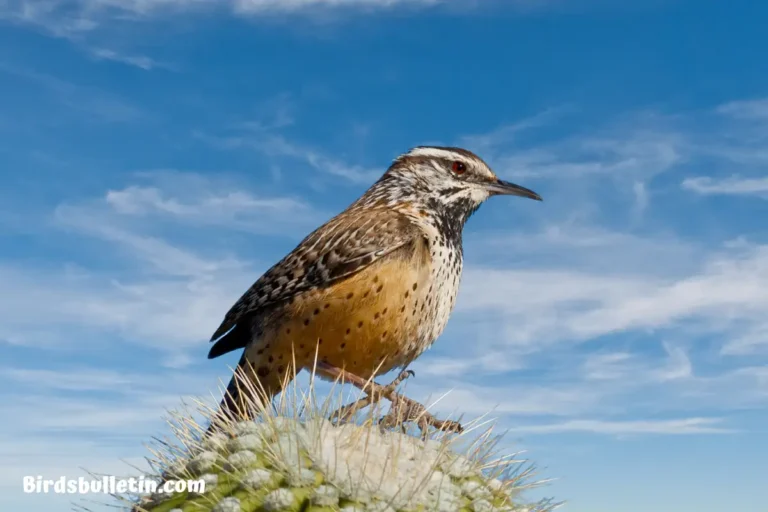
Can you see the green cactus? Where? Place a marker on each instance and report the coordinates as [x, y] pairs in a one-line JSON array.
[[302, 462]]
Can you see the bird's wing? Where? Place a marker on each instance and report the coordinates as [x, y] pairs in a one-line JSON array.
[[339, 249]]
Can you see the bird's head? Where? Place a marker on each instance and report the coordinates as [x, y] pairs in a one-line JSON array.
[[448, 179]]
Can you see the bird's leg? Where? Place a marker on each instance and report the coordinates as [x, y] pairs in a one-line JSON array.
[[345, 412], [374, 395], [403, 408]]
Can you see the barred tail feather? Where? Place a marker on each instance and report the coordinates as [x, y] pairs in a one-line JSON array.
[[248, 391]]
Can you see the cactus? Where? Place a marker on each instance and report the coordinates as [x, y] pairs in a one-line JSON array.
[[291, 458]]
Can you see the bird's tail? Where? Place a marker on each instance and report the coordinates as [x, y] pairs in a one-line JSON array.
[[249, 391]]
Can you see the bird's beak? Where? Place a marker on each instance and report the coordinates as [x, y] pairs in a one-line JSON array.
[[501, 187]]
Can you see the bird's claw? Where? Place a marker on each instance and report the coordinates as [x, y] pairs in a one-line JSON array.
[[404, 375], [402, 411], [405, 410]]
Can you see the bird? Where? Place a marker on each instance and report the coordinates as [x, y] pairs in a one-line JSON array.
[[372, 288]]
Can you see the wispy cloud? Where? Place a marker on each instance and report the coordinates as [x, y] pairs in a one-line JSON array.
[[139, 61], [575, 244], [166, 315], [202, 203], [143, 201], [756, 109], [89, 103], [77, 379], [71, 18], [753, 341], [571, 278], [553, 400], [618, 391], [274, 144], [627, 366], [587, 305], [280, 146], [190, 198], [75, 419], [685, 426], [158, 293], [485, 360], [162, 255], [634, 152], [508, 133], [92, 399], [733, 185]]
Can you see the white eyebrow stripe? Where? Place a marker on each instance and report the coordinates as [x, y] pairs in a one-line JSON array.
[[438, 153]]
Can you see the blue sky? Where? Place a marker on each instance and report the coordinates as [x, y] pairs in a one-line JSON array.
[[158, 155]]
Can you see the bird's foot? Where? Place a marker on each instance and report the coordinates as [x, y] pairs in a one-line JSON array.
[[375, 392], [405, 410], [402, 411]]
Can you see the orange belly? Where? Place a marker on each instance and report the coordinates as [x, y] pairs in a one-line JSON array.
[[367, 324]]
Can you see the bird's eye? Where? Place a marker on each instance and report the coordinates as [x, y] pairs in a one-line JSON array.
[[459, 168]]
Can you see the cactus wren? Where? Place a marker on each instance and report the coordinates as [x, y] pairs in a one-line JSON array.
[[372, 288]]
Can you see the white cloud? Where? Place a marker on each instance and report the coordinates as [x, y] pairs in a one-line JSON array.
[[70, 415], [163, 256], [756, 109], [754, 341], [234, 209], [106, 405], [685, 426], [156, 293], [182, 297], [276, 145], [53, 457], [610, 366], [127, 216], [634, 386], [139, 61], [733, 185], [90, 103], [69, 422], [678, 366], [586, 247], [503, 135], [267, 6], [74, 18], [164, 314], [541, 306], [78, 379], [638, 371], [620, 153], [485, 358], [509, 400], [641, 196]]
